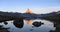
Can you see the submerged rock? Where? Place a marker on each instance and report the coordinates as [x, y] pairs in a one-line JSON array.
[[5, 23], [3, 29]]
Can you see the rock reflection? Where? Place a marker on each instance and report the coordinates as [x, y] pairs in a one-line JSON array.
[[57, 25], [18, 23], [37, 24]]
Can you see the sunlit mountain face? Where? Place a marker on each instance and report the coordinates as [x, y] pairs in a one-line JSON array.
[[28, 11]]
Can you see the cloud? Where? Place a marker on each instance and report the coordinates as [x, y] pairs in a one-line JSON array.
[[46, 10]]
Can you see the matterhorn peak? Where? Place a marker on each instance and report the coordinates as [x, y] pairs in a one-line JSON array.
[[28, 10]]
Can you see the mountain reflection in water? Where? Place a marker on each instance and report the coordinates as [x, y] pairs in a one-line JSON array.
[[15, 25], [28, 21]]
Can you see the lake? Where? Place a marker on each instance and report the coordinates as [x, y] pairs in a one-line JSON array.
[[28, 26]]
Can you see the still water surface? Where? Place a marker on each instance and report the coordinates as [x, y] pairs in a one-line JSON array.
[[29, 27]]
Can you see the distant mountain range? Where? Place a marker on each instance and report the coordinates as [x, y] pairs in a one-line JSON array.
[[54, 16], [27, 15]]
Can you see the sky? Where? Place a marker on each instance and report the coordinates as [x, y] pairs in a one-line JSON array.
[[36, 6]]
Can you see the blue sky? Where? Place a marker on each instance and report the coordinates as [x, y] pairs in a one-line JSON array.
[[38, 6]]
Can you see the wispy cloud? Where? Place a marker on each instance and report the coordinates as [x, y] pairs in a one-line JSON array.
[[46, 9]]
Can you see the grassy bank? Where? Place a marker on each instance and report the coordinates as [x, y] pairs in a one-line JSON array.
[[53, 18]]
